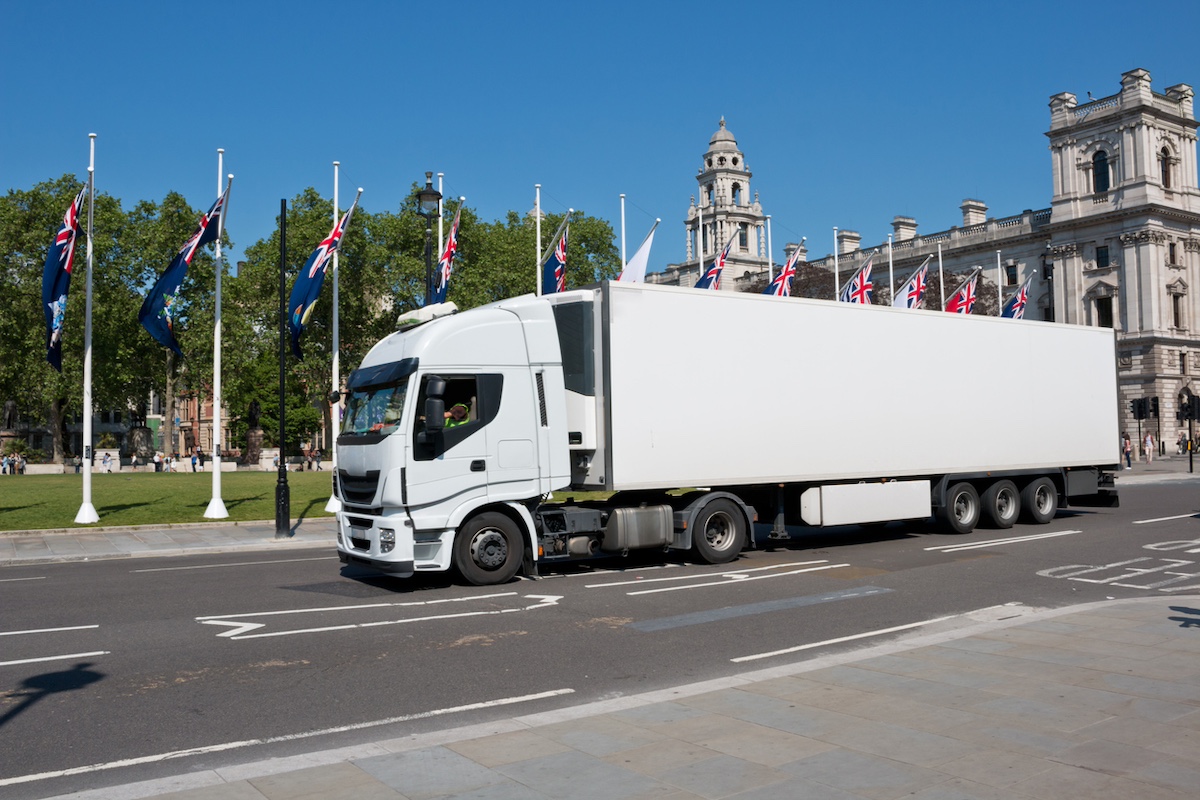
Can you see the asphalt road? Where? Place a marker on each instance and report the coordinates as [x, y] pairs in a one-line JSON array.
[[237, 658]]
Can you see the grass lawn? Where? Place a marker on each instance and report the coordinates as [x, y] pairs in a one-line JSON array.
[[33, 502]]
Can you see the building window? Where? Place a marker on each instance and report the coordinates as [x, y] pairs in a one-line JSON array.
[[1183, 362], [1100, 172], [1171, 253], [1101, 257], [1010, 274], [1164, 167], [1177, 311], [1104, 312], [743, 239], [737, 194]]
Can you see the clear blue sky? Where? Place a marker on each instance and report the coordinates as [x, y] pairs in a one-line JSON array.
[[848, 113]]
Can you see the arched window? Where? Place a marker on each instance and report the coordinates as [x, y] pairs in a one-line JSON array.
[[737, 194], [743, 240], [1100, 172], [1164, 167], [710, 194]]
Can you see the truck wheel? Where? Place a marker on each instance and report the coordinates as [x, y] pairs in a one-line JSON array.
[[719, 533], [1040, 501], [488, 549], [961, 512], [1002, 504]]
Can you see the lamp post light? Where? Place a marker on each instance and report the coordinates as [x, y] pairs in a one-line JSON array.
[[427, 202]]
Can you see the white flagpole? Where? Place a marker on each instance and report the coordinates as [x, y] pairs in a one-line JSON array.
[[941, 277], [891, 280], [216, 506], [700, 238], [999, 285], [87, 512], [441, 242], [623, 261], [335, 407], [837, 281], [770, 256], [537, 216]]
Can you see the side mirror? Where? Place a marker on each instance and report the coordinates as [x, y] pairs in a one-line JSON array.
[[435, 414], [334, 397], [435, 386]]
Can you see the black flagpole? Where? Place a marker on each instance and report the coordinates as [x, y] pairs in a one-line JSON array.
[[282, 494]]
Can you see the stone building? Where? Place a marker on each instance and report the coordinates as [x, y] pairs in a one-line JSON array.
[[1118, 246]]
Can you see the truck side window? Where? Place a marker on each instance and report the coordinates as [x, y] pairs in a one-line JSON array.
[[471, 402]]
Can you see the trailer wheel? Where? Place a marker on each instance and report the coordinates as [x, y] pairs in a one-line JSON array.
[[1002, 504], [488, 549], [1040, 501], [961, 512], [719, 533]]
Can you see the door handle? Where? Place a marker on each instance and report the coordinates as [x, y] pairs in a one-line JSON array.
[[478, 466]]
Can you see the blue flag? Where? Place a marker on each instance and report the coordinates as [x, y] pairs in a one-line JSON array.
[[781, 286], [307, 287], [446, 263], [56, 280], [1015, 307], [157, 311], [554, 268]]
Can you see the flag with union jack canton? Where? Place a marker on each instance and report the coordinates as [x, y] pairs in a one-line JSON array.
[[157, 312], [712, 276], [446, 262], [912, 293], [56, 279], [1015, 307], [963, 299], [781, 286], [554, 268], [307, 287], [858, 288]]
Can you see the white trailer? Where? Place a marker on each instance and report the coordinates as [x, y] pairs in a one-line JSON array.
[[807, 412]]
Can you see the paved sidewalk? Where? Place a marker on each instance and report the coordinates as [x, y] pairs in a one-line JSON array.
[[1096, 701]]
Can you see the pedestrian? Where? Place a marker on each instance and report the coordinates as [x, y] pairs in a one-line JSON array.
[[317, 458], [1149, 447], [157, 461], [133, 462], [194, 460], [1127, 449], [4, 464], [1179, 443], [107, 462]]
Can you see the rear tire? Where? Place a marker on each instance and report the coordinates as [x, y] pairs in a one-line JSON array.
[[488, 549], [961, 512], [719, 533], [1040, 501], [1002, 504]]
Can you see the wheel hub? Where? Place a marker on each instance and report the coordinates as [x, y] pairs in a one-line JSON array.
[[489, 549]]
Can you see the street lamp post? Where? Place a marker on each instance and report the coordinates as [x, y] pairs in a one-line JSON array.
[[427, 201]]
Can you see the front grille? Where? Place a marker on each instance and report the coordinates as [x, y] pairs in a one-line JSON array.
[[360, 544], [359, 489]]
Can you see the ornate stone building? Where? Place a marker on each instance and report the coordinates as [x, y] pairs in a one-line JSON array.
[[1119, 246]]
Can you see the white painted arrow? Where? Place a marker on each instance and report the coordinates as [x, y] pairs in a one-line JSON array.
[[237, 628]]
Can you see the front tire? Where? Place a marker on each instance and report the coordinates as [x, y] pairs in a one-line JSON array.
[[719, 533], [1040, 501], [961, 512], [1002, 504], [488, 549]]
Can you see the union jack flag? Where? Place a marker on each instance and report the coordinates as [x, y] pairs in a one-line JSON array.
[[858, 288], [56, 279], [912, 293], [963, 300], [712, 276], [446, 262], [1015, 307], [554, 268], [782, 285], [307, 287], [156, 312]]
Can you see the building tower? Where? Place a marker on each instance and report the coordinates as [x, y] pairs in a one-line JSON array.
[[726, 208]]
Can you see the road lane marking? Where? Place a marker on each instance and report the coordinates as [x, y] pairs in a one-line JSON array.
[[719, 614], [356, 607], [735, 579], [1165, 519], [290, 737], [839, 640], [49, 630], [954, 548], [11, 580], [53, 658], [701, 576], [235, 564], [241, 630]]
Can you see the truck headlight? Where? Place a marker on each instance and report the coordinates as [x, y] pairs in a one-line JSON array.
[[387, 540]]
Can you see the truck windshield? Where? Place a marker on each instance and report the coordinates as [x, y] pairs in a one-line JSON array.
[[375, 410]]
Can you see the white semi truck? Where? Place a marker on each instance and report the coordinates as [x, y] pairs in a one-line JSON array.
[[703, 411]]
